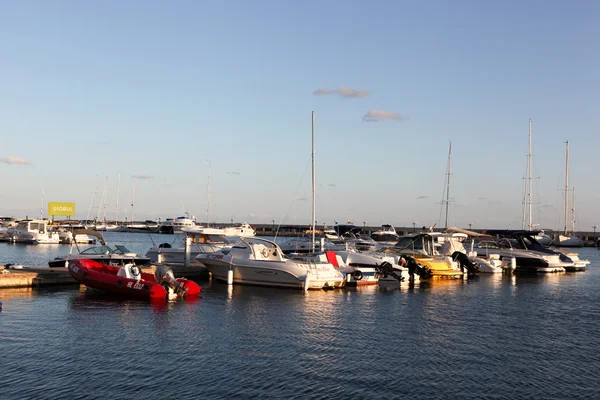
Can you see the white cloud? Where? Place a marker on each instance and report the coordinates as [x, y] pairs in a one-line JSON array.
[[378, 115], [233, 172], [142, 177], [14, 160], [344, 92]]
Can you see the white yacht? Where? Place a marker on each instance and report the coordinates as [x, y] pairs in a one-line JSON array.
[[177, 225], [33, 232], [202, 240], [387, 233], [257, 261], [242, 230]]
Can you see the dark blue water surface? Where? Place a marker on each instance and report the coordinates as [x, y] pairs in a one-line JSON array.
[[494, 337]]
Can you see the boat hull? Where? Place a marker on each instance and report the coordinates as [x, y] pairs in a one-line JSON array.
[[263, 274], [104, 277]]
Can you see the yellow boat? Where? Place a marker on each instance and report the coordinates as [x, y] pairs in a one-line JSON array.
[[421, 247]]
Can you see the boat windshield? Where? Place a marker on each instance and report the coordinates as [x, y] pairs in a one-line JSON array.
[[404, 243], [99, 250], [120, 249], [209, 239]]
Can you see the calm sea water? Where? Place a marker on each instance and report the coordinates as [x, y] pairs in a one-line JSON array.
[[493, 337]]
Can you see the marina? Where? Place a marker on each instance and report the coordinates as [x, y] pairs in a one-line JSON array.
[[471, 338], [299, 200]]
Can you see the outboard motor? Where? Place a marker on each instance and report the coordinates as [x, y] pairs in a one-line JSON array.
[[165, 277], [386, 269], [415, 268], [465, 263]]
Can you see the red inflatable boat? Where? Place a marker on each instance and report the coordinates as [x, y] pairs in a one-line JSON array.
[[129, 280]]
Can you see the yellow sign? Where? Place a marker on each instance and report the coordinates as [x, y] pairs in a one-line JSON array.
[[61, 209]]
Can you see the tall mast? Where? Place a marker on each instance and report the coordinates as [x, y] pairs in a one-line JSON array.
[[93, 201], [448, 169], [313, 185], [42, 206], [132, 203], [573, 212], [530, 181], [528, 201], [105, 198], [567, 188], [118, 187], [208, 195]]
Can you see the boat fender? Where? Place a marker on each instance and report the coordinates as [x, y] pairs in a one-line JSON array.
[[357, 275]]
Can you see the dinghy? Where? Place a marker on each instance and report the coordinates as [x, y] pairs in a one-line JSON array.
[[129, 280]]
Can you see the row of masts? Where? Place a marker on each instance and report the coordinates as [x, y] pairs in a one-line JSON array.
[[528, 197]]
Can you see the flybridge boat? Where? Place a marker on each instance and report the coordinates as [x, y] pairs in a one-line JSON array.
[[242, 230], [33, 232], [387, 233], [202, 240], [529, 255], [129, 280], [256, 261]]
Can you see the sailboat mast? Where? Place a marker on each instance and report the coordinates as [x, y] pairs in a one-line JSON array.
[[573, 212], [208, 195], [93, 201], [42, 206], [105, 199], [313, 184], [132, 203], [118, 187], [530, 181], [448, 181], [567, 188]]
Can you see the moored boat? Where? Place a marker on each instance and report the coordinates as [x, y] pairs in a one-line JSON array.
[[129, 280], [257, 261], [387, 233]]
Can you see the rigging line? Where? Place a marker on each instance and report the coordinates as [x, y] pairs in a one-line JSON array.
[[295, 194]]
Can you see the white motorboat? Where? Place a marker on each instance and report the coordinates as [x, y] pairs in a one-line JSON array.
[[387, 233], [529, 255], [366, 268], [242, 230], [110, 255], [177, 225], [33, 232], [257, 261], [486, 262], [201, 240], [67, 237]]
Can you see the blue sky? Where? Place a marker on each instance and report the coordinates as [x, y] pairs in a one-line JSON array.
[[158, 91]]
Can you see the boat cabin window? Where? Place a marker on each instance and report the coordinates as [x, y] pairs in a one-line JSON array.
[[22, 225]]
